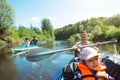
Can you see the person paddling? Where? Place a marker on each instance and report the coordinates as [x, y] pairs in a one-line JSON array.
[[79, 44], [83, 41], [34, 41], [26, 42]]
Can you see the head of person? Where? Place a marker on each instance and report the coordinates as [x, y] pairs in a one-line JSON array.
[[26, 39], [84, 34], [90, 58], [33, 36]]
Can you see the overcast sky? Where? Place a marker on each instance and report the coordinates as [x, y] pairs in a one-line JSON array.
[[62, 12]]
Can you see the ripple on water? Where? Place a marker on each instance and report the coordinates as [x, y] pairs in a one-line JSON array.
[[50, 66]]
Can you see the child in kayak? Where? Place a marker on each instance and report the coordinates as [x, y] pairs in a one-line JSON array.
[[89, 67]]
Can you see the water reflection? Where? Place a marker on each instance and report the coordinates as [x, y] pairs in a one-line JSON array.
[[8, 70], [39, 58], [110, 48], [57, 45], [48, 68], [112, 52], [49, 44], [39, 68], [116, 56]]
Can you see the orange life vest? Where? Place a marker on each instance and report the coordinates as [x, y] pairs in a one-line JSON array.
[[88, 75]]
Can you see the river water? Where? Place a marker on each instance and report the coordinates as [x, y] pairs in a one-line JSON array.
[[19, 67]]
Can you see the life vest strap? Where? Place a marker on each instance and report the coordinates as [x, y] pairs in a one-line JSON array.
[[85, 76], [96, 77]]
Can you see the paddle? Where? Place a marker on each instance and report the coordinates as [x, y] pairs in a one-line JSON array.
[[73, 48]]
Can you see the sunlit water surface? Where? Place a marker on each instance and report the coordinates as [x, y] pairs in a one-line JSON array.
[[43, 67], [19, 67]]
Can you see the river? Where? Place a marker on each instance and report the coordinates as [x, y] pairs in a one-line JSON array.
[[20, 67]]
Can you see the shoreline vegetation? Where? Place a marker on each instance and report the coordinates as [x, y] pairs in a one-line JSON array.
[[99, 29]]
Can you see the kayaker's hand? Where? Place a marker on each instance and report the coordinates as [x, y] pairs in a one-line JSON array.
[[97, 44], [76, 45], [79, 46]]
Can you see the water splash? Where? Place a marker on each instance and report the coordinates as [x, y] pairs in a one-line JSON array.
[[116, 56]]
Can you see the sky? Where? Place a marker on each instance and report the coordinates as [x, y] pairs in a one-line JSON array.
[[61, 12]]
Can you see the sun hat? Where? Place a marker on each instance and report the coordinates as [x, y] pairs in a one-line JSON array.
[[88, 52]]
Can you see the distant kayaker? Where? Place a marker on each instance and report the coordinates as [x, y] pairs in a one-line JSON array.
[[34, 41], [88, 68], [26, 42]]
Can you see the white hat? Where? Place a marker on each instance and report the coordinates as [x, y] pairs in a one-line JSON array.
[[88, 53]]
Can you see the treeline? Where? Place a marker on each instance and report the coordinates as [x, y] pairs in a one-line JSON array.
[[19, 34], [10, 33], [15, 34], [99, 29]]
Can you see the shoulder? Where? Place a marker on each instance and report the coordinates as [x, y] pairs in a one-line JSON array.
[[28, 41], [78, 42], [89, 42]]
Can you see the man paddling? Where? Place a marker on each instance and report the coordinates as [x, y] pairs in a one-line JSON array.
[[34, 41], [81, 43]]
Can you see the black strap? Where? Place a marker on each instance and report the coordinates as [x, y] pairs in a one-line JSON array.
[[96, 77], [73, 66]]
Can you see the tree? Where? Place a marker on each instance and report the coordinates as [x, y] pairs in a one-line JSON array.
[[7, 16], [46, 24], [47, 28], [113, 21]]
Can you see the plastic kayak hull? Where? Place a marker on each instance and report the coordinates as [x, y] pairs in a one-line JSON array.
[[23, 48]]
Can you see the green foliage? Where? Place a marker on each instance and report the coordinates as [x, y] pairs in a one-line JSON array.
[[23, 31], [75, 38], [7, 17], [113, 32], [12, 34], [99, 29], [67, 31], [36, 30], [72, 40], [46, 25], [49, 44], [47, 29], [113, 21]]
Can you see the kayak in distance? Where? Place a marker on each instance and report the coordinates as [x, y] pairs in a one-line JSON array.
[[23, 48]]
